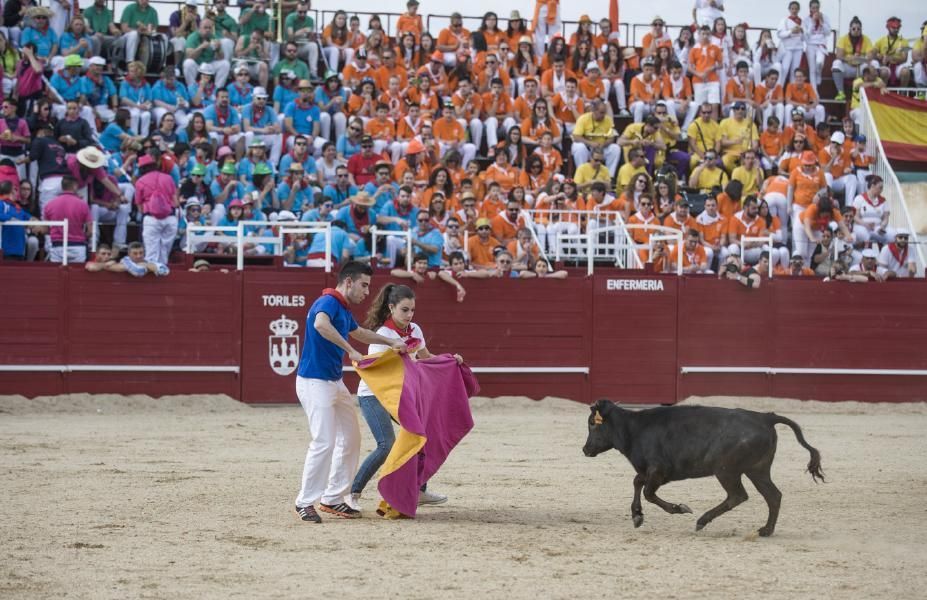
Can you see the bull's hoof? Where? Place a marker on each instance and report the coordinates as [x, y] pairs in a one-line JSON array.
[[765, 531], [683, 509], [638, 520], [700, 525]]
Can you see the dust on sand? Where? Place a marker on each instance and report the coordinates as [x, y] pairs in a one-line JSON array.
[[192, 497]]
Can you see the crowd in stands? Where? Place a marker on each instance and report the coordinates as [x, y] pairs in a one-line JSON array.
[[487, 146]]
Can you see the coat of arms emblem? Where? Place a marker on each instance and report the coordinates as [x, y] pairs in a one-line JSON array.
[[284, 346]]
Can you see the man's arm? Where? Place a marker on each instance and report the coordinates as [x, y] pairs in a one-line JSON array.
[[325, 328], [365, 336]]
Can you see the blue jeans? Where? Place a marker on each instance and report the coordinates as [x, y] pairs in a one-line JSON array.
[[381, 426]]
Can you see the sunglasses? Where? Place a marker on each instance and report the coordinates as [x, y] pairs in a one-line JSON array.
[[422, 220], [300, 144], [505, 262], [354, 129], [483, 228], [340, 176], [366, 145], [646, 203], [453, 226]]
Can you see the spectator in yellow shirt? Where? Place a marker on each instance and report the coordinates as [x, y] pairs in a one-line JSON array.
[[738, 133], [704, 135], [749, 173]]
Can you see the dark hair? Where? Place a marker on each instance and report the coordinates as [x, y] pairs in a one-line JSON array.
[[68, 183], [456, 255], [6, 187], [391, 293], [136, 246], [353, 270]]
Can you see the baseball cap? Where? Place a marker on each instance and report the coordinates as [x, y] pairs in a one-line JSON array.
[[242, 68], [193, 202], [286, 215], [592, 66], [870, 253], [366, 139], [902, 232], [98, 60], [739, 105], [206, 69], [257, 143], [260, 92], [860, 138], [223, 152], [838, 137], [235, 203]]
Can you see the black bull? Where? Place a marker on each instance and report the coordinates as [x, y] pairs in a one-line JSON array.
[[684, 442]]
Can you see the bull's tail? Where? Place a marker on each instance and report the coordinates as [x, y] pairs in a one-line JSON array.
[[814, 465]]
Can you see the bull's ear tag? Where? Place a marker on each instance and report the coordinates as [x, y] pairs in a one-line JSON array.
[[597, 418]]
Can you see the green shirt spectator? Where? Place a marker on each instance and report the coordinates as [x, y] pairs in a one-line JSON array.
[[225, 24], [293, 23], [297, 66], [256, 20], [135, 14], [98, 18], [208, 55]]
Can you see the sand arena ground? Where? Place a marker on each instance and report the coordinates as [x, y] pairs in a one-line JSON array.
[[113, 497]]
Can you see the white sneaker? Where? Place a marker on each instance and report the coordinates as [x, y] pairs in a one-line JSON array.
[[624, 113], [355, 501], [431, 498]]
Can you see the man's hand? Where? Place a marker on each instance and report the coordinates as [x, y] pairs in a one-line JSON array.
[[355, 356], [399, 346]]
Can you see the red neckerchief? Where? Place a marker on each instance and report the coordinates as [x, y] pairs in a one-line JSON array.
[[879, 200], [901, 257], [856, 43], [402, 212], [336, 295], [796, 19], [97, 79], [816, 20], [222, 118], [359, 220], [242, 90], [136, 84], [403, 333], [208, 90], [256, 113]]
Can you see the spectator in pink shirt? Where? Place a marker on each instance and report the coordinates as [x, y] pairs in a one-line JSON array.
[[87, 166], [156, 197], [14, 135], [70, 207]]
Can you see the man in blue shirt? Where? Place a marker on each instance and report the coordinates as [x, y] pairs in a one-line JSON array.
[[427, 240], [260, 120], [382, 188], [399, 215], [224, 124], [335, 447], [302, 116], [14, 241], [99, 91]]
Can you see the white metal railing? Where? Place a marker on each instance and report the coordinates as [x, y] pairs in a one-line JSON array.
[[591, 237], [64, 232], [769, 246], [254, 232], [376, 232], [899, 217], [677, 239]]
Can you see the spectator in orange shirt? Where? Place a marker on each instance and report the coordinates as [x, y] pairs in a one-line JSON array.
[[772, 144], [481, 246], [680, 218], [804, 184], [523, 105], [553, 79], [713, 227], [524, 250], [452, 38], [768, 98], [497, 107], [593, 87], [504, 174], [643, 216], [452, 136], [646, 89], [677, 92], [800, 94], [493, 202], [838, 168], [468, 106], [506, 224], [383, 132], [795, 268], [705, 62], [493, 69], [694, 257], [818, 216], [539, 122], [410, 21], [746, 223]]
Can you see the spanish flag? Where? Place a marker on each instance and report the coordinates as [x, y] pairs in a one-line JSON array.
[[430, 401], [902, 126]]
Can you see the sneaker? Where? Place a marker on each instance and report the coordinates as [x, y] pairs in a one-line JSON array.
[[431, 498], [624, 113], [307, 513], [840, 97], [355, 500], [341, 510]]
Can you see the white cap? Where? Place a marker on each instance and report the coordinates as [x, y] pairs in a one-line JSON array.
[[285, 215], [870, 253], [838, 137], [592, 65], [260, 92], [902, 231], [192, 201], [191, 3], [242, 68], [98, 60], [206, 69]]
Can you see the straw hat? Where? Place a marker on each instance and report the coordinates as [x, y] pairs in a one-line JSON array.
[[363, 199], [91, 158]]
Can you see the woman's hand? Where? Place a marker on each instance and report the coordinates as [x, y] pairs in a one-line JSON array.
[[459, 359]]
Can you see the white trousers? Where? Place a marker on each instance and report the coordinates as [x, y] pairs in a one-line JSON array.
[[545, 31], [817, 115], [76, 254], [325, 125], [334, 449], [221, 67], [815, 54], [467, 152], [790, 60], [274, 141], [140, 120], [180, 116], [119, 216], [158, 235], [49, 188], [684, 114]]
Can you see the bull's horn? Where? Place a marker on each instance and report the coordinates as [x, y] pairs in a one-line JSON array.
[[597, 418]]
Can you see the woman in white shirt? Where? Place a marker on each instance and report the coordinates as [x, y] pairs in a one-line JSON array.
[[817, 40], [791, 42], [391, 316]]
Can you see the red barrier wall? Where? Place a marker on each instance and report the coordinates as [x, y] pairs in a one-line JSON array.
[[634, 332]]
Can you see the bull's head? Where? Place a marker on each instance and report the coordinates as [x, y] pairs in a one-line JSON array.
[[600, 435]]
